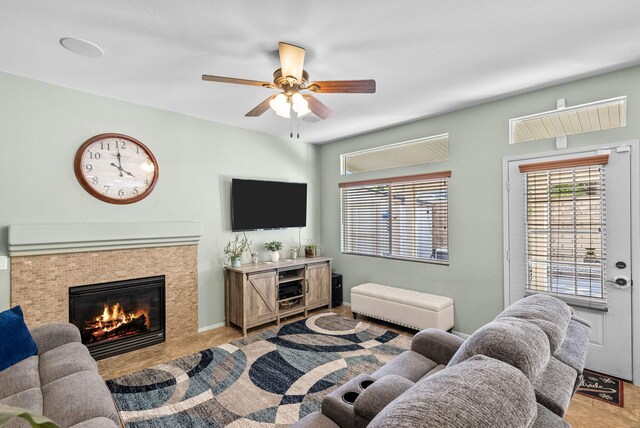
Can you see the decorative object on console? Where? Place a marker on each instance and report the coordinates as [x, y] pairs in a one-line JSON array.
[[311, 249], [16, 343], [294, 253], [274, 247], [235, 249], [116, 168]]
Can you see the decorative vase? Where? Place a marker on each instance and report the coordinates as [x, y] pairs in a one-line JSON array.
[[310, 252], [275, 256], [235, 262], [294, 253], [254, 258]]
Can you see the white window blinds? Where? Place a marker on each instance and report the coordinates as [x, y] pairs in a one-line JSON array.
[[402, 217], [565, 229]]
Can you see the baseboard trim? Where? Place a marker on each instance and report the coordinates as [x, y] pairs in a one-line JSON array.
[[346, 304], [210, 327], [462, 335]]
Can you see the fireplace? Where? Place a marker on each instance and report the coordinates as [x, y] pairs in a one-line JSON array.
[[120, 316]]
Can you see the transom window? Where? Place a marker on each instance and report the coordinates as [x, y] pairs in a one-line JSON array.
[[401, 218], [565, 228]]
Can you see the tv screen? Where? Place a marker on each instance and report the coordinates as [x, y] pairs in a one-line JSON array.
[[259, 204]]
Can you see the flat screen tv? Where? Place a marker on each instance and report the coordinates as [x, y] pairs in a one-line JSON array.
[[259, 204]]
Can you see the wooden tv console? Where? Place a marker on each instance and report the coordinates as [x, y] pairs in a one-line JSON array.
[[252, 290]]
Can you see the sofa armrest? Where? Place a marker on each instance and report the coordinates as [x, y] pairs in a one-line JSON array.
[[437, 345], [315, 420], [53, 335], [378, 395]]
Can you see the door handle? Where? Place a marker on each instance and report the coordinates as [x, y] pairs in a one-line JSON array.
[[620, 281]]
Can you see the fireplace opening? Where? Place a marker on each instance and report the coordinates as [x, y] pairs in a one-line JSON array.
[[120, 316]]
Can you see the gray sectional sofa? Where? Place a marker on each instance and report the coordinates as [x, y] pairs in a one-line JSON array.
[[61, 382], [520, 370]]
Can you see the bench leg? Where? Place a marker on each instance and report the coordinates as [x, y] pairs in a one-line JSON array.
[[355, 315]]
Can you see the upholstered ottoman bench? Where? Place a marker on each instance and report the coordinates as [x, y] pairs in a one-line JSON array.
[[405, 307]]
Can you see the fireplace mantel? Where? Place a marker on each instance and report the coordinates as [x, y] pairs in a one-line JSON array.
[[41, 239]]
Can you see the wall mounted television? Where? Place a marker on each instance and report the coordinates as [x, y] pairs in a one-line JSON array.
[[257, 204]]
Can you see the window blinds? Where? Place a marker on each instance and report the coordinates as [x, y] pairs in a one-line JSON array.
[[402, 217], [565, 229]]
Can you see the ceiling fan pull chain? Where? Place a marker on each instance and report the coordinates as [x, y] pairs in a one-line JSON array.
[[291, 128], [298, 125]]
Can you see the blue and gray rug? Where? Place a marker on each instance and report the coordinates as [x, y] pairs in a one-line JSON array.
[[268, 380]]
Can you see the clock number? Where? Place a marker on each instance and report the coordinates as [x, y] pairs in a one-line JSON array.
[[94, 180], [95, 156], [88, 167], [123, 146], [137, 150], [135, 191], [106, 191], [121, 192], [102, 146]]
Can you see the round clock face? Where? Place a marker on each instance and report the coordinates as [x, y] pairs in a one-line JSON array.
[[116, 168]]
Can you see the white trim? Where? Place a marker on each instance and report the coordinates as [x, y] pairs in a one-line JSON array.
[[462, 335], [37, 239], [210, 327], [635, 232]]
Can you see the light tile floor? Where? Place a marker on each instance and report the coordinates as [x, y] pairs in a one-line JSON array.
[[583, 411]]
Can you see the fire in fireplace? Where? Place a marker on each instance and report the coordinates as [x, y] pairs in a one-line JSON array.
[[119, 316]]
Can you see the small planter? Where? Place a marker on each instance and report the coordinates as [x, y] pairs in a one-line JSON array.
[[236, 262], [275, 256], [310, 251]]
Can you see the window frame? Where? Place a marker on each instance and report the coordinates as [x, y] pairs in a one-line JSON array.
[[398, 182]]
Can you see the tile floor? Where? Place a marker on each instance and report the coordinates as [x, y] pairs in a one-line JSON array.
[[583, 411]]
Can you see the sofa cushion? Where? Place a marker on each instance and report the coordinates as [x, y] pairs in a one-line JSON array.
[[554, 387], [312, 420], [552, 315], [514, 341], [437, 345], [410, 365], [478, 392], [16, 343], [77, 398], [52, 335], [547, 419], [20, 377], [65, 360], [30, 399], [573, 351]]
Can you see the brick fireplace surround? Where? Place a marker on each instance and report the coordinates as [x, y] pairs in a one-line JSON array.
[[45, 265]]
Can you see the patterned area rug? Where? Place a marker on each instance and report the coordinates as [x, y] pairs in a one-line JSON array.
[[602, 387], [268, 380]]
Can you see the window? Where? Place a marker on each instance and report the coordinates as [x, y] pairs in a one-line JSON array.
[[565, 228], [401, 218], [414, 152]]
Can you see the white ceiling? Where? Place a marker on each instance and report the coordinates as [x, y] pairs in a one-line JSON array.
[[427, 56]]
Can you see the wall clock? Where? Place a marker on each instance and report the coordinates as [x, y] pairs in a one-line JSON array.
[[116, 168]]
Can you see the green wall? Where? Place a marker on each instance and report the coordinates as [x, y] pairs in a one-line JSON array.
[[478, 141], [43, 125]]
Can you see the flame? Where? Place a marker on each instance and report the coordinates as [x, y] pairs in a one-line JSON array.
[[112, 318]]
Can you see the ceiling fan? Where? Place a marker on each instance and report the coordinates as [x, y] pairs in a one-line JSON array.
[[291, 78]]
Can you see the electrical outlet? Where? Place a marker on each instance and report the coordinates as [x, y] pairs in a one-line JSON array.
[[4, 260]]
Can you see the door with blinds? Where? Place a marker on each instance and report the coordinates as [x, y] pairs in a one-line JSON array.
[[569, 236]]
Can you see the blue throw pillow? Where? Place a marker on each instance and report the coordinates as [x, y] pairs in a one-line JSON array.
[[16, 343]]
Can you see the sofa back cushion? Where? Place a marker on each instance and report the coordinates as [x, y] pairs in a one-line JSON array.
[[552, 315], [516, 342], [479, 392], [16, 343]]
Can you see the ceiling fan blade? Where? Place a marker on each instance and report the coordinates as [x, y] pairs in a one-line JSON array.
[[291, 60], [319, 109], [344, 86], [222, 79], [261, 108]]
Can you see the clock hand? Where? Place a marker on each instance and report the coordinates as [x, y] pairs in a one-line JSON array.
[[127, 172], [119, 160]]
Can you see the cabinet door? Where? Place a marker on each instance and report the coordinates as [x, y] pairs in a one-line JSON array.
[[318, 283], [262, 291]]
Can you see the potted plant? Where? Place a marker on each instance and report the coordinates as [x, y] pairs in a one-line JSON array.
[[274, 247], [234, 250], [311, 249]]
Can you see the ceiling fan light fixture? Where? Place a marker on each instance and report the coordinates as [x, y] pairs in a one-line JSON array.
[[300, 105], [280, 104]]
